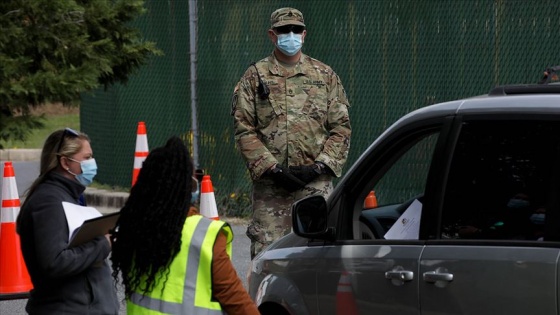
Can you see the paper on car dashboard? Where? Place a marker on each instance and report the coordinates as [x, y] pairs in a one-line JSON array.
[[407, 227]]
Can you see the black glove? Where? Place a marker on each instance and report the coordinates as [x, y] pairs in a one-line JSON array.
[[307, 173], [282, 177]]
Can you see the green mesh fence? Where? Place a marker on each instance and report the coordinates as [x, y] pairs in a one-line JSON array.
[[392, 56]]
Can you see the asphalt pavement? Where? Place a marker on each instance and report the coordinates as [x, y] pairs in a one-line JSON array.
[[26, 169]]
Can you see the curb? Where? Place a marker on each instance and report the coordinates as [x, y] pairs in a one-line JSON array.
[[19, 155], [105, 201]]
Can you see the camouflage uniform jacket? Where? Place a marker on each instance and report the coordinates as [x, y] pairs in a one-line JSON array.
[[304, 119]]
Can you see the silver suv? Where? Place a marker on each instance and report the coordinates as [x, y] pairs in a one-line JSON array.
[[466, 218]]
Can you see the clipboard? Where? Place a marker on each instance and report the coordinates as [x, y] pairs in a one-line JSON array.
[[94, 227]]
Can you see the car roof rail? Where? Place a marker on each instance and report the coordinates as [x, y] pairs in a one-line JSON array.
[[525, 89], [549, 83]]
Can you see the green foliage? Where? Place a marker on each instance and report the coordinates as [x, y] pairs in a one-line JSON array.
[[52, 51], [111, 188], [36, 136], [18, 129], [235, 204]]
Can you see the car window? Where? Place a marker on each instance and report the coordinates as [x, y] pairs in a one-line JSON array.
[[407, 176], [500, 181], [403, 183]]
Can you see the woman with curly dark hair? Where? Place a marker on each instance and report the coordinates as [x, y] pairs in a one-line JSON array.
[[171, 259]]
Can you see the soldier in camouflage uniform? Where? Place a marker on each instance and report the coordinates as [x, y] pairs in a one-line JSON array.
[[291, 126]]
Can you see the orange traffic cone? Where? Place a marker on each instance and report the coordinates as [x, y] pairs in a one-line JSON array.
[[371, 200], [345, 301], [14, 278], [208, 206], [141, 150]]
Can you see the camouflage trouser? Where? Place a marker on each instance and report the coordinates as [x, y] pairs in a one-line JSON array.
[[272, 206]]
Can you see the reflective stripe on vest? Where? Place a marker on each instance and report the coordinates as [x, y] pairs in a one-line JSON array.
[[197, 290]]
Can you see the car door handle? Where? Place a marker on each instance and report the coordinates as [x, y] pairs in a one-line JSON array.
[[437, 275], [402, 275]]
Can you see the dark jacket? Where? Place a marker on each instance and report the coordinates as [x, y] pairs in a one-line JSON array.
[[66, 280]]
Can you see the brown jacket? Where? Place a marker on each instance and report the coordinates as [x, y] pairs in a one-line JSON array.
[[226, 286]]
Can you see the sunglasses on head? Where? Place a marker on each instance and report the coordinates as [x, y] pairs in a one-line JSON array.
[[296, 29], [67, 132]]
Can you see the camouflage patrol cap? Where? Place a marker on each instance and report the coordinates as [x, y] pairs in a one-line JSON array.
[[286, 16]]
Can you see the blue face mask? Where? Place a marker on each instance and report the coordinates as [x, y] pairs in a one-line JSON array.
[[195, 194], [89, 170], [289, 43], [517, 203], [537, 218]]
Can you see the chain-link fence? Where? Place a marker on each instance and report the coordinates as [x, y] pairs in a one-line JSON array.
[[392, 56]]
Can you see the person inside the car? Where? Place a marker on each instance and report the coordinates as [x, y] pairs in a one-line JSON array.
[[513, 222]]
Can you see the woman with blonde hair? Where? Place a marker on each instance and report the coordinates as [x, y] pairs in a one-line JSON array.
[[66, 280]]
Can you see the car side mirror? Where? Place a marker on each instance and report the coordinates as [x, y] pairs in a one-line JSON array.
[[310, 217]]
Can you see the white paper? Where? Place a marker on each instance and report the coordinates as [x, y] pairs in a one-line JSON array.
[[407, 227], [76, 215]]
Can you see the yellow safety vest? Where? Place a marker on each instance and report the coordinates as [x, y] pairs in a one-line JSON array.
[[188, 289]]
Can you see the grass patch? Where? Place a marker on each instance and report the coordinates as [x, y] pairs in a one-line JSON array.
[[109, 187], [38, 136], [56, 117]]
